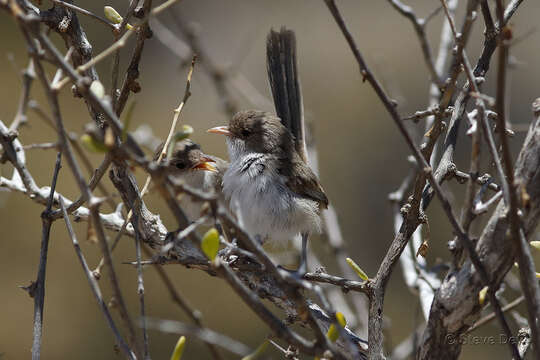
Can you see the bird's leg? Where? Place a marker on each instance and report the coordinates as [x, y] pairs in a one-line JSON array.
[[302, 269], [259, 239], [299, 273]]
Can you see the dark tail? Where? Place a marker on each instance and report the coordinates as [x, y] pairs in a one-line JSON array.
[[285, 84]]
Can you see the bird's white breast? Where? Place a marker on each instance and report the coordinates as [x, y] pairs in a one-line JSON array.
[[263, 203]]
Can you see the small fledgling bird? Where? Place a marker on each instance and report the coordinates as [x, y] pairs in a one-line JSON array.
[[271, 189], [198, 170]]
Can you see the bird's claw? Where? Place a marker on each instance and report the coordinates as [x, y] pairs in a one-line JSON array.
[[294, 276]]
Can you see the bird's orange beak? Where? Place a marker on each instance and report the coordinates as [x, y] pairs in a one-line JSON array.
[[223, 130], [205, 164]]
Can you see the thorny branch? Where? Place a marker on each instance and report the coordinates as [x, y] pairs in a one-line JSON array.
[[37, 290]]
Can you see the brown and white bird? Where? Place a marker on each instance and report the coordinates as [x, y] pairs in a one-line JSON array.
[[273, 192], [198, 170], [269, 185]]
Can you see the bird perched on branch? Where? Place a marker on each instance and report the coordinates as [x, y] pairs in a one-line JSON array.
[[198, 170], [269, 185]]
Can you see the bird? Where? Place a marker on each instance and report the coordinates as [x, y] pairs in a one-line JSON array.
[[272, 190], [197, 169], [267, 150]]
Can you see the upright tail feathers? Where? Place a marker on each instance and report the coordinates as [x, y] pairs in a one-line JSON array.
[[282, 70]]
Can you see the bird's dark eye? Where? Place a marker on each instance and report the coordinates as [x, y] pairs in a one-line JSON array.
[[246, 133], [180, 165]]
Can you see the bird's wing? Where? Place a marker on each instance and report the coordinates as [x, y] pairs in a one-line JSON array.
[[221, 166], [306, 184]]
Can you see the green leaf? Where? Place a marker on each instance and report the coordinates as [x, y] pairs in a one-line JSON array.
[[361, 274], [535, 244], [333, 333], [113, 16], [93, 145], [210, 244], [179, 348], [341, 319], [482, 295], [183, 134], [258, 352]]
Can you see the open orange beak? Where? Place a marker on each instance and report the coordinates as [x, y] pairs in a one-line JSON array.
[[223, 130], [205, 165]]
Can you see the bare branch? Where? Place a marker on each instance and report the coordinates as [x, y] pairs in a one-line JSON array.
[[460, 307], [140, 288], [85, 12], [204, 334], [529, 282], [417, 116], [345, 284], [95, 287], [28, 76], [194, 315], [38, 288], [486, 319]]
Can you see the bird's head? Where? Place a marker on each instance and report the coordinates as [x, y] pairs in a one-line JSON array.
[[255, 131], [187, 157]]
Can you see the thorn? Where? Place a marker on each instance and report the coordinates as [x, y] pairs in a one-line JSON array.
[[30, 289]]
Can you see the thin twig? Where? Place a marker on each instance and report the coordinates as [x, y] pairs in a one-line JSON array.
[[92, 184], [83, 157], [290, 286], [120, 43], [204, 334], [42, 146], [417, 116], [462, 177], [38, 290], [278, 327], [140, 288], [85, 12], [468, 213], [217, 75], [132, 73], [39, 195], [70, 158], [486, 319], [177, 298], [460, 104], [529, 282], [445, 46], [375, 339], [177, 112], [250, 297], [94, 286], [28, 76], [345, 284], [491, 40]]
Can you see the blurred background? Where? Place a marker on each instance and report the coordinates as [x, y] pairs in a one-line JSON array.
[[362, 158]]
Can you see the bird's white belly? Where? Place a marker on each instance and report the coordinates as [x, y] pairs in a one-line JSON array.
[[266, 207]]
